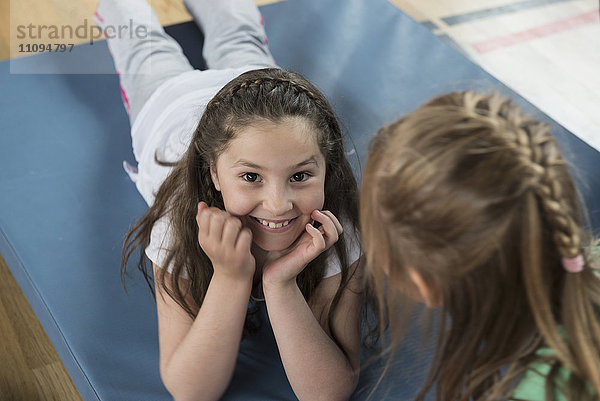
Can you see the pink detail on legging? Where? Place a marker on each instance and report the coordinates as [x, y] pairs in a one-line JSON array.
[[123, 94]]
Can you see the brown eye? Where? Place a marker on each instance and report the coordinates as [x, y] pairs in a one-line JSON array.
[[299, 177], [250, 177]]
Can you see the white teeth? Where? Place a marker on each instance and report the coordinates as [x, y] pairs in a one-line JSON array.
[[270, 224]]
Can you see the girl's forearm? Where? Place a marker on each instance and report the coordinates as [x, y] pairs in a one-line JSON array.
[[202, 365], [315, 366]]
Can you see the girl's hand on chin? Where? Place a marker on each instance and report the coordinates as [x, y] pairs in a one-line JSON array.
[[225, 242], [282, 268]]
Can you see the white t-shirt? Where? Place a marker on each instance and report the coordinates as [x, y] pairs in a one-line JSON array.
[[164, 127]]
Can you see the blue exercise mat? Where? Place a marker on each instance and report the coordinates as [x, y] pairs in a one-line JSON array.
[[66, 203]]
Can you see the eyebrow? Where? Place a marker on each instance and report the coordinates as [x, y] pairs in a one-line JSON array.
[[249, 164]]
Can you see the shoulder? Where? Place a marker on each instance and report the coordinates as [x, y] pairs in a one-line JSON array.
[[353, 249], [532, 386], [162, 240]]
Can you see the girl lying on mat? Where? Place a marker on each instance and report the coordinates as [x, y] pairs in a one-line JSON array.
[[251, 200], [467, 204]]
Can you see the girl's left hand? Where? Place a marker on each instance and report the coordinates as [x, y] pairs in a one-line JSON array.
[[282, 268]]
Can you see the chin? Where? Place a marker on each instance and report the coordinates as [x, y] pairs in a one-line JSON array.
[[271, 245]]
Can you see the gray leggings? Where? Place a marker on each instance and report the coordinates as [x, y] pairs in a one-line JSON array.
[[145, 56]]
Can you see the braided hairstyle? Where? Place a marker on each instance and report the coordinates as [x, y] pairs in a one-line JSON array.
[[272, 95], [476, 197]]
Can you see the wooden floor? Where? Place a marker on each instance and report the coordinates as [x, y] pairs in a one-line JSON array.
[[30, 369], [556, 72]]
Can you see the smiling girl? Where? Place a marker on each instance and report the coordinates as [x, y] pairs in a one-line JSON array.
[[254, 203]]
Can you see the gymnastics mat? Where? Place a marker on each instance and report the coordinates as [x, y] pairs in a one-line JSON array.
[[66, 203]]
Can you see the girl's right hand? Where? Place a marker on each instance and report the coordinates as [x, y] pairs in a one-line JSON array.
[[225, 242]]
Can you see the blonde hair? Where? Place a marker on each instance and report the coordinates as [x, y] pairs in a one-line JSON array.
[[476, 197]]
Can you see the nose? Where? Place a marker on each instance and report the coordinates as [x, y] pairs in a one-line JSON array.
[[278, 200]]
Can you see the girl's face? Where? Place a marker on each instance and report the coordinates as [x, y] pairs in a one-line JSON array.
[[272, 176]]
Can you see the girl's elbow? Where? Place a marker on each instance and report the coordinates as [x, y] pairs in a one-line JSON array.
[[178, 390], [182, 391], [351, 383], [344, 391], [172, 387], [185, 395]]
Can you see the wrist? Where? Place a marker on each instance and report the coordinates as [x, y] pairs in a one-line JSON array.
[[272, 286], [233, 281]]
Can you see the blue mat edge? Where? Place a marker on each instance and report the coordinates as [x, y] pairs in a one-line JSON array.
[[81, 381]]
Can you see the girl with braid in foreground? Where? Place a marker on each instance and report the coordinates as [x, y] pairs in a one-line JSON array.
[[468, 206], [251, 202]]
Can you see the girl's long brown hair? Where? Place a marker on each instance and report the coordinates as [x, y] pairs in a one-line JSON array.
[[268, 94], [476, 197]]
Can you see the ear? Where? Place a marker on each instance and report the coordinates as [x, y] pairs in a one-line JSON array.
[[214, 177], [429, 290]]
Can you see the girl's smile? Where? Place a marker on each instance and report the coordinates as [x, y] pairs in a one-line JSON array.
[[275, 226], [272, 176]]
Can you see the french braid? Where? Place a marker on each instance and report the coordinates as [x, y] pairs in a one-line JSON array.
[[475, 197], [263, 86], [539, 156]]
